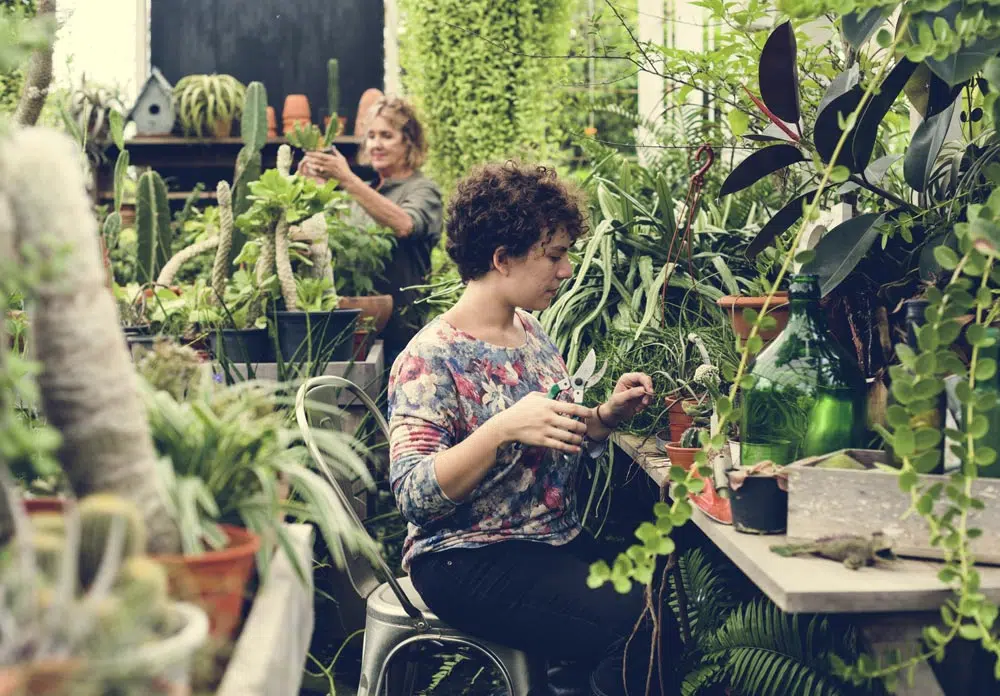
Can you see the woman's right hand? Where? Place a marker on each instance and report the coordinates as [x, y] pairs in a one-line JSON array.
[[539, 421]]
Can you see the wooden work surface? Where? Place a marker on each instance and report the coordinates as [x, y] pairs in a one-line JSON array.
[[816, 585]]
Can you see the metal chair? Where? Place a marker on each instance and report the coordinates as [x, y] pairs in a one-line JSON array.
[[396, 617]]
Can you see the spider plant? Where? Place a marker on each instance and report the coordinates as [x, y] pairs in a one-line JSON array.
[[227, 450], [208, 103]]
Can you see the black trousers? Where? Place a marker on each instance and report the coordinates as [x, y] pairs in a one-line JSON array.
[[534, 597]]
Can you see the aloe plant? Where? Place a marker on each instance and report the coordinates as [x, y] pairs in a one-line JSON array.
[[206, 100]]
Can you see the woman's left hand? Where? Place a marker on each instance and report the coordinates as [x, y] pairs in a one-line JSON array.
[[329, 165], [633, 392]]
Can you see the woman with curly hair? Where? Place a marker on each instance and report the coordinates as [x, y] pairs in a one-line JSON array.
[[483, 465], [405, 201]]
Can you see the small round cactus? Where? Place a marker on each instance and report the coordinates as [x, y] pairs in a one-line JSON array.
[[97, 514], [691, 437]]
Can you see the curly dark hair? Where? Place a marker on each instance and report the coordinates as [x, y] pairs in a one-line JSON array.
[[509, 205]]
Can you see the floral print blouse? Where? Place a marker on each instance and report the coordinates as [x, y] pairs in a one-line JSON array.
[[441, 388]]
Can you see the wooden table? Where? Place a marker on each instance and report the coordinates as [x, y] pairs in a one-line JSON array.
[[892, 601]]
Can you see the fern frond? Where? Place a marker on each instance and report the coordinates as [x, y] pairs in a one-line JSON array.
[[701, 678], [768, 653], [708, 599]]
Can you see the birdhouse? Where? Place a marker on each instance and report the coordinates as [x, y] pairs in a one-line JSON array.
[[153, 111]]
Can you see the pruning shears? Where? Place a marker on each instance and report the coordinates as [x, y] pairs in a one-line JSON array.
[[584, 378]]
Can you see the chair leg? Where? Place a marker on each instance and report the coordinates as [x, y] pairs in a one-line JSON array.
[[379, 642]]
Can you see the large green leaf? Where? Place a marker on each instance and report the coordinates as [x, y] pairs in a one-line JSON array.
[[758, 165], [841, 249], [779, 222], [918, 162], [777, 74], [858, 26], [962, 65]]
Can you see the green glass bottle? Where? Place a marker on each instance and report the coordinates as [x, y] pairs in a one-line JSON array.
[[808, 395]]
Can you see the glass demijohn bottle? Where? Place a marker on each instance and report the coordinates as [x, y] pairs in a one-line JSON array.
[[808, 395]]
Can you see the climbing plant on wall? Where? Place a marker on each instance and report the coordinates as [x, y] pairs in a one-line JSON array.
[[477, 72]]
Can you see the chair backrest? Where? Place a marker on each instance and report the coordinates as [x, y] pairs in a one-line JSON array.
[[364, 572]]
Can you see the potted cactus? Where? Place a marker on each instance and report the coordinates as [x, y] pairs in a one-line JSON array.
[[86, 563]]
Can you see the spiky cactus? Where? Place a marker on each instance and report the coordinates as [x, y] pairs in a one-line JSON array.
[[87, 384], [152, 225], [332, 90], [691, 437], [253, 131], [98, 513]]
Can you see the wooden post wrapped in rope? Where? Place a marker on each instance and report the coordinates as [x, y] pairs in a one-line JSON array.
[[170, 269], [220, 268]]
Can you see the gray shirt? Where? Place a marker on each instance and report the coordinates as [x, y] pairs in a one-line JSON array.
[[411, 260]]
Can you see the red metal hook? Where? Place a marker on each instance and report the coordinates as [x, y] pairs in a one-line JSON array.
[[708, 154]]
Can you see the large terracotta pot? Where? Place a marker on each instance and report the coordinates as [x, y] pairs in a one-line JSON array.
[[216, 580], [735, 304], [296, 110], [379, 307], [679, 421]]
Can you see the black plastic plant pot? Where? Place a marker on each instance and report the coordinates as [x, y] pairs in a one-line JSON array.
[[759, 506], [316, 336], [242, 345], [135, 330]]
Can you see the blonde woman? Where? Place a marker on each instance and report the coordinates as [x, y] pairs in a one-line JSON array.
[[404, 201]]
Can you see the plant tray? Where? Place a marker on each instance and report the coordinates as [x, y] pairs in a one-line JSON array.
[[825, 502]]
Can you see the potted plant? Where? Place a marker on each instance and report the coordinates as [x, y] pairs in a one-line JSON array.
[[84, 606], [280, 201], [359, 258], [207, 104], [759, 498], [225, 451], [754, 294]]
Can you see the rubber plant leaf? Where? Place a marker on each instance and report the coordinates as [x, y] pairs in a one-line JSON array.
[[841, 249], [844, 81], [827, 130], [777, 74], [962, 65], [918, 162], [771, 133], [858, 26], [862, 140], [779, 222], [758, 165]]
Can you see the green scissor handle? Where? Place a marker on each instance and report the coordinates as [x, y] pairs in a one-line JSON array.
[[554, 391]]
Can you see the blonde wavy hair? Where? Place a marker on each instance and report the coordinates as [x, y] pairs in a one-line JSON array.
[[401, 115]]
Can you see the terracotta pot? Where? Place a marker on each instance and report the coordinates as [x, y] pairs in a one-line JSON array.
[[679, 421], [362, 344], [681, 456], [127, 213], [222, 129], [215, 580], [378, 307], [272, 123], [735, 304], [44, 504], [367, 101], [296, 110], [48, 677]]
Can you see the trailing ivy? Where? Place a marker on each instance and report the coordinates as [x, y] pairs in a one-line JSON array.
[[477, 72]]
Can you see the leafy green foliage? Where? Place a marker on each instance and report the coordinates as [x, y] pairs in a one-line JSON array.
[[359, 255], [297, 197], [477, 72]]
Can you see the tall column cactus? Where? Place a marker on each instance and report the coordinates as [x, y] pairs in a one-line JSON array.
[[253, 131], [88, 386], [152, 225], [220, 269]]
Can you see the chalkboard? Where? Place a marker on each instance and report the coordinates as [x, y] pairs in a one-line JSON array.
[[283, 43]]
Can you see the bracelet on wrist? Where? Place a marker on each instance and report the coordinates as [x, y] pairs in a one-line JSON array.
[[597, 412]]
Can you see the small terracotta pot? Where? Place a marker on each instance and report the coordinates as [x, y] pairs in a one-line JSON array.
[[215, 580], [127, 213], [45, 504], [735, 304], [681, 456], [679, 421], [362, 344], [272, 123], [296, 110], [367, 101], [378, 307], [222, 129]]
